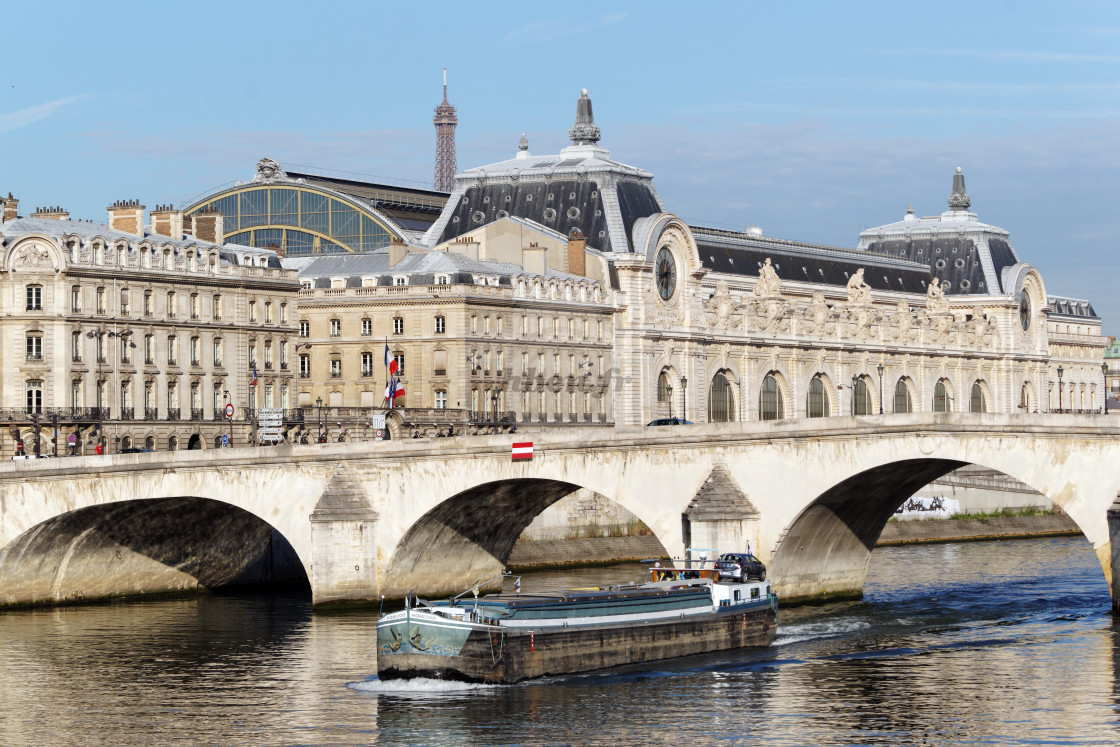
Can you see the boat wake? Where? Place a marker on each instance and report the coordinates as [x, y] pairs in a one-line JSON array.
[[810, 631], [417, 687]]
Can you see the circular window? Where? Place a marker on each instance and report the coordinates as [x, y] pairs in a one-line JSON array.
[[965, 285], [573, 213], [503, 214], [939, 264], [946, 285], [959, 263], [549, 214], [478, 216], [550, 197]]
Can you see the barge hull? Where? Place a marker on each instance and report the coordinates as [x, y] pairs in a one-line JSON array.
[[508, 656]]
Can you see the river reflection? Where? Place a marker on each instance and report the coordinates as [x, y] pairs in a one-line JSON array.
[[980, 643]]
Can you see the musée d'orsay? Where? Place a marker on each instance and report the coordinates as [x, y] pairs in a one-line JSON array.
[[542, 291]]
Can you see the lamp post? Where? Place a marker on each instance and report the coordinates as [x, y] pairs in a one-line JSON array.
[[319, 404], [880, 370], [1104, 388], [494, 403], [684, 398], [669, 391], [1060, 371], [855, 379]]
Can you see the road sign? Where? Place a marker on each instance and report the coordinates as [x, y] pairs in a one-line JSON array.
[[225, 440], [269, 423], [269, 434], [229, 410], [72, 439], [378, 434], [523, 450], [378, 421]]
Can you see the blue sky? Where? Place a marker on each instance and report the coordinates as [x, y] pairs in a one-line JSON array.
[[813, 121]]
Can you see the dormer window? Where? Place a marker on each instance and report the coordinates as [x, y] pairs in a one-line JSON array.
[[443, 280], [400, 280]]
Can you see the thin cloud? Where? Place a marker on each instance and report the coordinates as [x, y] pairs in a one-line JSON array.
[[552, 30], [1005, 55], [33, 114]]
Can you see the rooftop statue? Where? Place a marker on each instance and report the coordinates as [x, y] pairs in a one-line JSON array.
[[959, 199], [935, 298], [769, 284], [858, 290]]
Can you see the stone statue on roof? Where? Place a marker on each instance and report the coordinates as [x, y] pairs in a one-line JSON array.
[[268, 170], [769, 284], [959, 199], [936, 302], [858, 290]]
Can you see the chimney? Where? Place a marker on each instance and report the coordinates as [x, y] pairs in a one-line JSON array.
[[208, 226], [166, 221], [127, 216], [398, 250], [577, 253], [534, 258], [11, 207], [51, 213]]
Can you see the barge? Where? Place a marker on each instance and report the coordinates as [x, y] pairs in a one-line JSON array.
[[510, 636]]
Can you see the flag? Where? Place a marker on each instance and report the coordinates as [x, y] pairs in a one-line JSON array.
[[517, 584], [386, 355], [394, 390], [392, 366], [254, 375]]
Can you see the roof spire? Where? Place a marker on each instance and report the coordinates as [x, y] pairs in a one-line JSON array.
[[584, 131], [959, 200]]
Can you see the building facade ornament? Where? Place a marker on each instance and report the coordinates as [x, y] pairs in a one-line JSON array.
[[768, 284], [769, 315], [34, 257], [268, 170], [722, 311], [584, 131], [818, 318], [859, 292], [936, 303]]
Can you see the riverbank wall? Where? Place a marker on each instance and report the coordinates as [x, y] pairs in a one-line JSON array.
[[528, 554]]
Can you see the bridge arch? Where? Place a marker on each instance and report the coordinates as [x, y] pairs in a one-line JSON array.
[[824, 551], [468, 536], [145, 546]]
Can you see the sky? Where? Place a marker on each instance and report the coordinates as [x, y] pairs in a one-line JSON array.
[[811, 120]]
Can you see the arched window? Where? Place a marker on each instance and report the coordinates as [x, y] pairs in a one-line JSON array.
[[172, 443], [977, 402], [770, 406], [150, 442], [664, 388], [942, 402], [862, 398], [721, 400], [1025, 398], [902, 402], [817, 406]]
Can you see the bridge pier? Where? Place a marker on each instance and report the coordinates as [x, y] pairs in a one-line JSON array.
[[343, 544], [1114, 542]]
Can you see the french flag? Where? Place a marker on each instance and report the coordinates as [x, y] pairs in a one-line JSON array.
[[254, 375], [394, 390]]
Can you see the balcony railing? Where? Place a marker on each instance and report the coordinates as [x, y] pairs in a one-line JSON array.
[[197, 413], [151, 413], [173, 414], [367, 372], [489, 417], [128, 413]]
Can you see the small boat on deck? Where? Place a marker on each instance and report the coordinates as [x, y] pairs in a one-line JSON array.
[[512, 636]]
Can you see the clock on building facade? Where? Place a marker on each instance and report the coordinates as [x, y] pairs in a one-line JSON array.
[[666, 270]]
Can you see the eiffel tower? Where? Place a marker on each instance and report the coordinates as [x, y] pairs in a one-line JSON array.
[[445, 122]]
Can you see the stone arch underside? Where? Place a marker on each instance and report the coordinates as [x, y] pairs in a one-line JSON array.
[[825, 551], [145, 547], [468, 537]]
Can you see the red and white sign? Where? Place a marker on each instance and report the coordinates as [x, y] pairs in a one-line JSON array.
[[229, 411], [523, 450]]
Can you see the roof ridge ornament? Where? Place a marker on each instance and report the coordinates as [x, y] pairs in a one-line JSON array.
[[584, 131], [524, 142], [269, 170], [959, 200]]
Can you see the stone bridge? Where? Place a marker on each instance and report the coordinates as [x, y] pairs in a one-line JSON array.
[[359, 520]]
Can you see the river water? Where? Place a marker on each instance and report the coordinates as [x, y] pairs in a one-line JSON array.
[[981, 643]]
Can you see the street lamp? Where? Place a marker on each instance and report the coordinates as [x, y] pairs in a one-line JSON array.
[[1060, 370], [494, 403], [1104, 388], [684, 398], [669, 394], [855, 380], [880, 369], [319, 404]]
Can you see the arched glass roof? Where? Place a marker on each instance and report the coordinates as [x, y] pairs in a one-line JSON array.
[[295, 219]]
